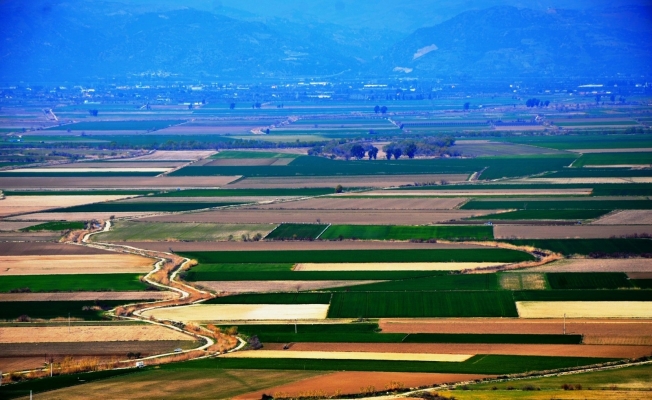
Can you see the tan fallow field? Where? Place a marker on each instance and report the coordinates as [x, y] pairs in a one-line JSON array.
[[596, 265], [78, 216], [584, 309], [115, 182], [91, 169], [346, 181], [348, 355], [74, 264], [626, 217], [85, 333], [344, 203], [171, 155], [13, 205], [274, 286], [16, 225], [394, 266], [241, 312]]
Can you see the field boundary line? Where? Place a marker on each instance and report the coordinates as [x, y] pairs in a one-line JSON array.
[[322, 232]]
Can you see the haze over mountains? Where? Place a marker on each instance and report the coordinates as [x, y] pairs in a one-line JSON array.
[[78, 39]]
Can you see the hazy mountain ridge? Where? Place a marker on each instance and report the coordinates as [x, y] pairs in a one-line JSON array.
[[503, 41], [73, 39]]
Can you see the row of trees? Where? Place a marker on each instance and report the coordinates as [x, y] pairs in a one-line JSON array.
[[537, 103], [428, 147]]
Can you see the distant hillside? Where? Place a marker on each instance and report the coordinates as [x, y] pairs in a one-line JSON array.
[[511, 42]]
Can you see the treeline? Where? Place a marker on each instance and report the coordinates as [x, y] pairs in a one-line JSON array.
[[422, 147]]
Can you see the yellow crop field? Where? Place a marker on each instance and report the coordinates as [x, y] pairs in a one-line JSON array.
[[584, 309]]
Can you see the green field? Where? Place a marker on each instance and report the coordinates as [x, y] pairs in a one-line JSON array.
[[614, 159], [143, 207], [57, 309], [598, 247], [583, 295], [624, 189], [117, 125], [296, 232], [179, 231], [479, 364], [543, 214], [394, 232], [463, 304], [442, 282], [352, 256], [598, 141], [248, 192], [601, 173], [273, 298], [595, 280], [73, 283], [534, 204], [283, 272], [55, 226]]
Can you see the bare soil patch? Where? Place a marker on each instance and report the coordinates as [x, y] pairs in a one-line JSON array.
[[360, 217], [337, 383], [626, 217], [342, 203], [30, 236], [616, 340], [112, 182], [78, 216], [473, 348], [584, 309], [274, 286], [171, 155], [89, 333], [523, 281], [346, 181], [132, 166], [640, 275], [331, 353], [568, 231], [236, 312], [15, 225], [596, 327], [596, 265], [46, 249], [74, 263], [297, 245], [106, 348], [13, 205], [83, 296]]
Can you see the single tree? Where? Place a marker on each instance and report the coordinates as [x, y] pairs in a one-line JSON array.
[[466, 106], [232, 106], [383, 110], [338, 189], [373, 152], [357, 151], [93, 112], [411, 149], [377, 109], [397, 153], [389, 150]]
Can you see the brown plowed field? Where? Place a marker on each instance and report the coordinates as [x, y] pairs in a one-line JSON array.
[[106, 348], [618, 340], [352, 383], [89, 333], [273, 286], [627, 217], [640, 275], [46, 249], [8, 364], [568, 231], [119, 164], [112, 263], [576, 350], [78, 216], [30, 236], [279, 245], [597, 327], [343, 203], [380, 217], [14, 226], [112, 182], [14, 205], [171, 155], [346, 181], [83, 296], [596, 265]]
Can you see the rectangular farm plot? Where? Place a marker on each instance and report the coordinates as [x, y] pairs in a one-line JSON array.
[[74, 264], [345, 202], [296, 232], [442, 266], [479, 191], [160, 231], [79, 310], [626, 217], [86, 333], [522, 281], [393, 232], [14, 205], [241, 312], [72, 283], [544, 215], [422, 304], [590, 231], [335, 355], [614, 159], [588, 280], [580, 309], [85, 296], [144, 207]]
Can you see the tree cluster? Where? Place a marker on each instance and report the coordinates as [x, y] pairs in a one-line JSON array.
[[425, 147], [534, 102]]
